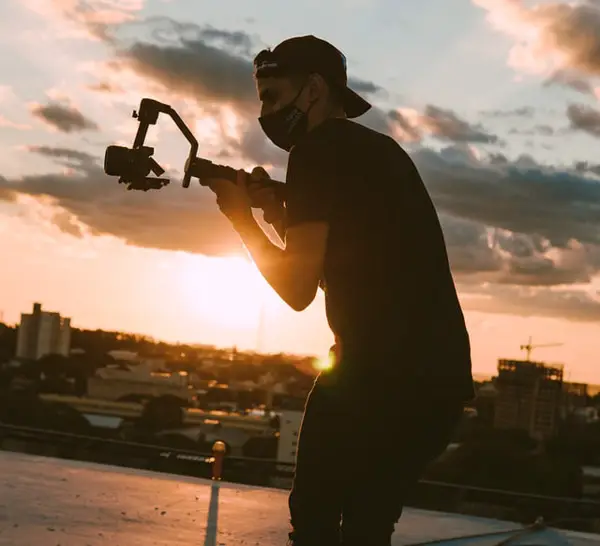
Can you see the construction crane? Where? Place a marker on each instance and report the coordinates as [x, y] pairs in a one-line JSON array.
[[528, 347]]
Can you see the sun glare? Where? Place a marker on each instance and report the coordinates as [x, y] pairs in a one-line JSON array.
[[230, 290], [324, 363]]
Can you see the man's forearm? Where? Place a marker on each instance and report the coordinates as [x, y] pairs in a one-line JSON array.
[[277, 220], [279, 227], [269, 258]]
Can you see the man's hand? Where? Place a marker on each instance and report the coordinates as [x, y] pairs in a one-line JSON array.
[[233, 198], [263, 196]]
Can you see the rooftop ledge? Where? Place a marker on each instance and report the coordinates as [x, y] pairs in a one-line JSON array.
[[71, 503]]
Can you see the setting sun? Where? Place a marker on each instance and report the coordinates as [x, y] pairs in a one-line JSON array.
[[324, 363], [230, 289]]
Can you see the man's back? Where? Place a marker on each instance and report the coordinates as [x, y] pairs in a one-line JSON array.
[[389, 290]]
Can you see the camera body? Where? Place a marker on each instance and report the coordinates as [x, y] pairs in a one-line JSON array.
[[133, 166]]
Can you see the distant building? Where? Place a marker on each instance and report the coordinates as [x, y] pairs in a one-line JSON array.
[[290, 422], [528, 397], [575, 397], [41, 333], [485, 404], [141, 379]]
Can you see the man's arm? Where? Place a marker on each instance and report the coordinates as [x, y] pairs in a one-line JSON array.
[[277, 222], [294, 272], [279, 227]]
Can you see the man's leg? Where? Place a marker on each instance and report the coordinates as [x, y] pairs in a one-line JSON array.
[[375, 494], [315, 499]]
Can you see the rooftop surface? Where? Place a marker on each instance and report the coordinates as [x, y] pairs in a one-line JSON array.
[[52, 502]]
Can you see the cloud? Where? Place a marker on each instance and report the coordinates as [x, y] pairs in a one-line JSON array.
[[96, 17], [541, 129], [480, 255], [194, 68], [4, 122], [503, 223], [105, 87], [66, 156], [508, 224], [568, 79], [521, 112], [519, 196], [584, 118], [444, 124], [172, 219], [62, 117], [550, 37], [364, 87], [571, 304], [584, 166], [185, 59]]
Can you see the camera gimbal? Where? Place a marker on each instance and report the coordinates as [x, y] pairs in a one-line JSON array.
[[133, 165]]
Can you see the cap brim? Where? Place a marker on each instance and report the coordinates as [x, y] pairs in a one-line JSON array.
[[354, 104]]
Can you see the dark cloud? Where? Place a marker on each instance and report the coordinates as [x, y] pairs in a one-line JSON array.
[[64, 118], [522, 112], [170, 219], [578, 305], [233, 40], [541, 129], [440, 123], [584, 118], [186, 60], [445, 124], [585, 167], [364, 87], [481, 254], [195, 69], [574, 29], [71, 158], [519, 196], [570, 80]]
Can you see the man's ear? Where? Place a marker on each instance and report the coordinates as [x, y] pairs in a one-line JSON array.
[[317, 87]]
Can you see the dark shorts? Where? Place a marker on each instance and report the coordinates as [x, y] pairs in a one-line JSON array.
[[361, 450]]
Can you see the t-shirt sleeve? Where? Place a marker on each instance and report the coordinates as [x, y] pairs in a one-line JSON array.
[[310, 182]]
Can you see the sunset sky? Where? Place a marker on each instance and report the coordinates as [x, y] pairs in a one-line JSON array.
[[498, 102]]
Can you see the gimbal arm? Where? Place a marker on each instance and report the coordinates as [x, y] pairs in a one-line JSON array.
[[148, 115], [196, 167]]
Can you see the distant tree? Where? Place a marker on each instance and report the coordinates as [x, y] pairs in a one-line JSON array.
[[508, 460], [8, 342], [578, 440], [161, 413], [56, 371]]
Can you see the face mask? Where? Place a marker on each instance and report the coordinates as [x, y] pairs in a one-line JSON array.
[[285, 126]]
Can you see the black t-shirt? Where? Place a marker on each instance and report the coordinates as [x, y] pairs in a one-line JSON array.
[[390, 295]]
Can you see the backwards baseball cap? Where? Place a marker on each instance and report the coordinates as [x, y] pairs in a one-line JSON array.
[[311, 55]]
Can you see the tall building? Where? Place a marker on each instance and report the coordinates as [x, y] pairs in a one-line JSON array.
[[41, 333], [528, 397]]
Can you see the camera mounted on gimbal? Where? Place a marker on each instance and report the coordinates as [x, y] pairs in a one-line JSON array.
[[134, 165]]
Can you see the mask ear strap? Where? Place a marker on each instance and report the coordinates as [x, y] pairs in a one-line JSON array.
[[312, 102]]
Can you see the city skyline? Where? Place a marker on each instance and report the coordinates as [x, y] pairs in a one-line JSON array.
[[498, 102]]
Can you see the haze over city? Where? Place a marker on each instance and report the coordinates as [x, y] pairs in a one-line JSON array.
[[498, 102]]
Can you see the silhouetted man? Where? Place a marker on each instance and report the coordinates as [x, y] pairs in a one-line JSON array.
[[359, 221]]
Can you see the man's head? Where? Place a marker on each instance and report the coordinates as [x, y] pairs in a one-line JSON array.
[[304, 78]]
